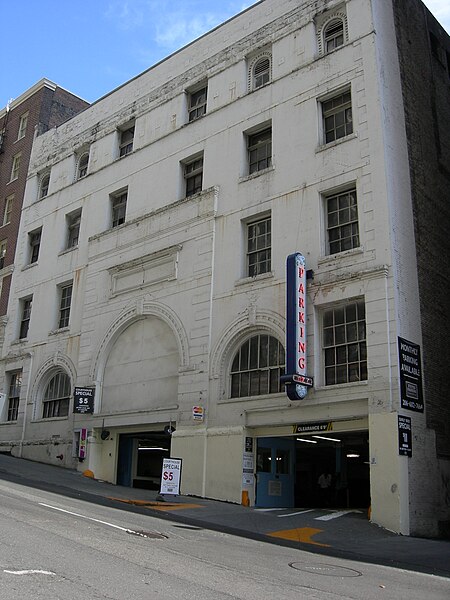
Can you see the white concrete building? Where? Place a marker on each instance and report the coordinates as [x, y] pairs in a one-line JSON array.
[[152, 272]]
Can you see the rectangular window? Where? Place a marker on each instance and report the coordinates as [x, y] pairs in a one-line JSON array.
[[3, 248], [15, 384], [15, 166], [126, 141], [73, 229], [8, 209], [25, 318], [64, 305], [259, 147], [23, 126], [197, 103], [118, 208], [82, 166], [193, 174], [344, 343], [34, 241], [342, 222], [259, 247], [337, 117]]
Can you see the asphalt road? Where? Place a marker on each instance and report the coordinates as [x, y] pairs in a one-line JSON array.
[[57, 548]]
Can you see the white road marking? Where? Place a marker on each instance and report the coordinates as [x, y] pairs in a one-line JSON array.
[[268, 509], [302, 512], [91, 519], [336, 515], [29, 572]]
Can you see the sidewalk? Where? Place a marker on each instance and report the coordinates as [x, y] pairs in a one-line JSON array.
[[344, 534]]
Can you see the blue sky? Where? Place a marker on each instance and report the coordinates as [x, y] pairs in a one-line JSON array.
[[92, 46]]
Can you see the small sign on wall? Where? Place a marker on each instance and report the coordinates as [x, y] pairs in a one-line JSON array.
[[410, 375], [404, 436], [198, 413], [83, 400]]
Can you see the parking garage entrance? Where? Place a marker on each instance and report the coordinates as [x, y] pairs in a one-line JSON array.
[[289, 470], [140, 458]]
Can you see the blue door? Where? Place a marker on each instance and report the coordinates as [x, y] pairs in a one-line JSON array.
[[125, 461], [275, 473]]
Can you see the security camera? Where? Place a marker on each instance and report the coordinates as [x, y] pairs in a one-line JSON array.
[[104, 434]]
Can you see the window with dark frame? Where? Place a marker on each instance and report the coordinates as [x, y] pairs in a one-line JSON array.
[[193, 174], [126, 141], [73, 229], [15, 384], [44, 185], [333, 35], [259, 250], [83, 165], [23, 124], [119, 208], [259, 146], [55, 402], [64, 305], [3, 250], [15, 166], [342, 221], [26, 316], [337, 117], [257, 367], [34, 240], [344, 343], [197, 103]]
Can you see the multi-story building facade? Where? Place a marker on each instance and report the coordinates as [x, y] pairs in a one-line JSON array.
[[148, 311], [41, 107]]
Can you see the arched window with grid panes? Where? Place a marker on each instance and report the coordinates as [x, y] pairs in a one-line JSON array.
[[260, 71], [257, 367], [55, 402]]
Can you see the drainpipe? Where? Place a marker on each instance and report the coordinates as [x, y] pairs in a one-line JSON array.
[[27, 398]]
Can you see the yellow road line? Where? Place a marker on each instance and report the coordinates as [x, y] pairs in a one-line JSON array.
[[301, 534], [163, 506]]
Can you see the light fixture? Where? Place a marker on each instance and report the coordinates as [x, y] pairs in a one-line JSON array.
[[152, 448], [352, 455], [320, 437], [308, 441]]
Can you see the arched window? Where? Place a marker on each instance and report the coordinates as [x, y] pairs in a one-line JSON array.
[[333, 35], [44, 185], [83, 165], [257, 367], [56, 398], [260, 71]]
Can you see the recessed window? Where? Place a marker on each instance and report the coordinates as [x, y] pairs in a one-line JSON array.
[[126, 141], [260, 71], [259, 147], [333, 35], [197, 103], [15, 166], [118, 208], [15, 385], [25, 306], [34, 243], [64, 305], [44, 185], [344, 343], [8, 209], [82, 168], [337, 117], [342, 221], [259, 241], [193, 175], [3, 248], [73, 229], [56, 398], [257, 367], [23, 124]]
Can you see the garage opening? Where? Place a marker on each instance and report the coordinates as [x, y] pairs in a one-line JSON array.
[[140, 459], [314, 471]]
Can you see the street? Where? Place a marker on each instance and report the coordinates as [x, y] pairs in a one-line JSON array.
[[59, 548]]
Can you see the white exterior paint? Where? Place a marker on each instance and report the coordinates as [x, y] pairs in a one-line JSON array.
[[162, 303]]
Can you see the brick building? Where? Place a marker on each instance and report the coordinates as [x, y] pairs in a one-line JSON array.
[[151, 276], [41, 107]]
